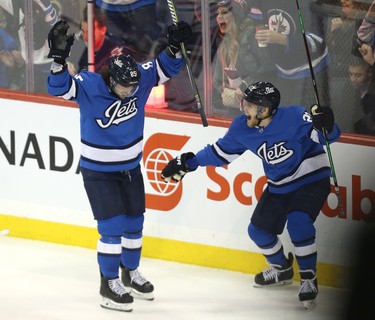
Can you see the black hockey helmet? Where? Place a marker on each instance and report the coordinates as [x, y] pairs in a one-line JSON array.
[[124, 70], [263, 94]]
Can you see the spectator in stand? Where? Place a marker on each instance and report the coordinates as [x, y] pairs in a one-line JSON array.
[[45, 14], [285, 41], [341, 32], [105, 44], [366, 31], [366, 37], [340, 38], [135, 22], [366, 125], [10, 56], [239, 61]]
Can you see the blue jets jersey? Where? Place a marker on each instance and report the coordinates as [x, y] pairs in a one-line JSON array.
[[291, 150], [123, 6], [282, 16], [112, 129]]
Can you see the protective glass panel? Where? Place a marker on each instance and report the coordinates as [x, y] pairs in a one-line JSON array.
[[234, 43], [266, 40]]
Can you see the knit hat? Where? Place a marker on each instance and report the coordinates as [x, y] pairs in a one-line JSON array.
[[237, 7]]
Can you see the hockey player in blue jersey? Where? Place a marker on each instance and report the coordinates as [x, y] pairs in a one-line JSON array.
[[112, 114], [289, 141]]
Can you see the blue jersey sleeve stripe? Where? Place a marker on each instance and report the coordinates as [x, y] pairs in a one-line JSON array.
[[161, 71], [219, 155], [229, 153], [72, 91], [228, 157]]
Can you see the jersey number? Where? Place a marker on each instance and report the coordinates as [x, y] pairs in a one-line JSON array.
[[147, 65]]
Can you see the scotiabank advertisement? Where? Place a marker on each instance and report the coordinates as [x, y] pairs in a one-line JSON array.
[[40, 179]]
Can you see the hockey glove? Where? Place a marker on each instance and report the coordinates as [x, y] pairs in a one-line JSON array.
[[177, 33], [60, 42], [178, 167], [322, 117]]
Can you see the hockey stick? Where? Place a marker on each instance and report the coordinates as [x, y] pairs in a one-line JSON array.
[[197, 97], [329, 153]]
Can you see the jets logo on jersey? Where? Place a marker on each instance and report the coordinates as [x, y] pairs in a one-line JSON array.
[[117, 113], [275, 154]]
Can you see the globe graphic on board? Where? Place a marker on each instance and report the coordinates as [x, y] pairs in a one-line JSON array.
[[154, 164]]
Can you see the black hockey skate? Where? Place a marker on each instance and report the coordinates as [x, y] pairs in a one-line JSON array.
[[137, 284], [114, 295], [276, 275], [309, 289]]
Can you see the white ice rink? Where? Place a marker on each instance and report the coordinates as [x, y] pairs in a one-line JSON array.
[[45, 281]]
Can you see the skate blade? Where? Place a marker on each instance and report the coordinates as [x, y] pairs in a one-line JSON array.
[[109, 304], [136, 294], [309, 304], [276, 284]]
